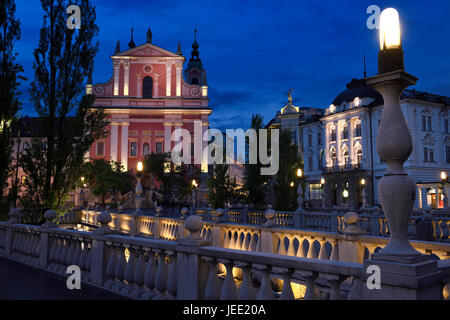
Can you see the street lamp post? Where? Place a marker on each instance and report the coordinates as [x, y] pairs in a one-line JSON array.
[[138, 200], [396, 189], [362, 182], [322, 185], [444, 193], [194, 192], [82, 193], [299, 189]]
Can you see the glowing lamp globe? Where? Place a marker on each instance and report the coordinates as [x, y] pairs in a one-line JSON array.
[[389, 29], [345, 193], [140, 166], [299, 173], [390, 57], [443, 176], [322, 181]]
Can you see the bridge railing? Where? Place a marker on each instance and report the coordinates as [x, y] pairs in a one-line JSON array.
[[193, 267]]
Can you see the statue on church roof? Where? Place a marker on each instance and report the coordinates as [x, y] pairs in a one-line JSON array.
[[290, 95], [149, 35]]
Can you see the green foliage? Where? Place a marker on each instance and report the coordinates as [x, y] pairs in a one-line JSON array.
[[105, 178], [255, 184], [174, 181], [290, 161], [63, 61], [221, 188], [9, 103]]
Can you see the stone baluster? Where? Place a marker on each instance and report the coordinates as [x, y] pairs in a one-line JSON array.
[[149, 277], [301, 249], [161, 276], [311, 250], [291, 248], [334, 251], [311, 293], [129, 271], [229, 291], [172, 276], [139, 273], [110, 266], [335, 286], [246, 290], [83, 255], [323, 252], [70, 251], [119, 267], [213, 285], [286, 292], [265, 291]]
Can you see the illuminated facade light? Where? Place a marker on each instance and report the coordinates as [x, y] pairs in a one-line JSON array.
[[140, 166], [299, 172], [345, 193], [443, 176]]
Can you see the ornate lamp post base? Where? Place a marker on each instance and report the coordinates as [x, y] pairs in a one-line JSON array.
[[396, 189]]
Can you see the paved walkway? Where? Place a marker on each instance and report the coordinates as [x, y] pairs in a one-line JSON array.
[[21, 282]]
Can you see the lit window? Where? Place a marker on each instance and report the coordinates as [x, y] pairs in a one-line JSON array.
[[315, 191], [346, 157], [146, 149], [23, 179]]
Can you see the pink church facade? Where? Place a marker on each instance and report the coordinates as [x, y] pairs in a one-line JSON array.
[[147, 98]]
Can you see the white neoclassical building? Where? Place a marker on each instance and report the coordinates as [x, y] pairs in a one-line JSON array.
[[340, 146]]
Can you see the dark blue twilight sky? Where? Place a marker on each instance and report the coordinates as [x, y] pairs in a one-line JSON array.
[[255, 50]]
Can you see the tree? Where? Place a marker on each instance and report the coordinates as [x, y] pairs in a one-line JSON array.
[[63, 61], [9, 103], [255, 184], [220, 186], [107, 178], [285, 182]]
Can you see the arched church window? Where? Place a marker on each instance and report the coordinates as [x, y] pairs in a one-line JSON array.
[[334, 157], [147, 88], [195, 81]]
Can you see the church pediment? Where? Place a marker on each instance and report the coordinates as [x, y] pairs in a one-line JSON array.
[[147, 50]]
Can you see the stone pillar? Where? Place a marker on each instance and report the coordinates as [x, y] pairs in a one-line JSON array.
[[139, 85], [168, 79], [126, 78], [192, 271], [116, 77], [124, 145], [419, 189], [114, 142], [179, 68], [167, 136]]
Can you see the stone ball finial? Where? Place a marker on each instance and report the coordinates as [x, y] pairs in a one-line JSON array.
[[351, 219], [50, 216], [184, 213], [270, 215], [158, 210], [194, 224], [104, 218], [14, 215]]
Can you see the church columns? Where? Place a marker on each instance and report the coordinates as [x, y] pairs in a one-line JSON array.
[[114, 140], [124, 145], [116, 77], [126, 78], [179, 67], [167, 136], [168, 79], [139, 85]]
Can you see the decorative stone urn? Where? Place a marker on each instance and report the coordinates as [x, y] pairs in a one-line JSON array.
[[50, 217], [194, 224]]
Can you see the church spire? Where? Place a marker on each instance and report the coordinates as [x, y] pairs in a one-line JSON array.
[[131, 43], [149, 35], [179, 49], [195, 53], [117, 47]]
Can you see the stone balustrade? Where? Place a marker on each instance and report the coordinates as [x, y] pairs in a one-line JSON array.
[[332, 244], [164, 269]]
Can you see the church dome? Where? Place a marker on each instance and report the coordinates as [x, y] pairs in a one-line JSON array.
[[358, 88]]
